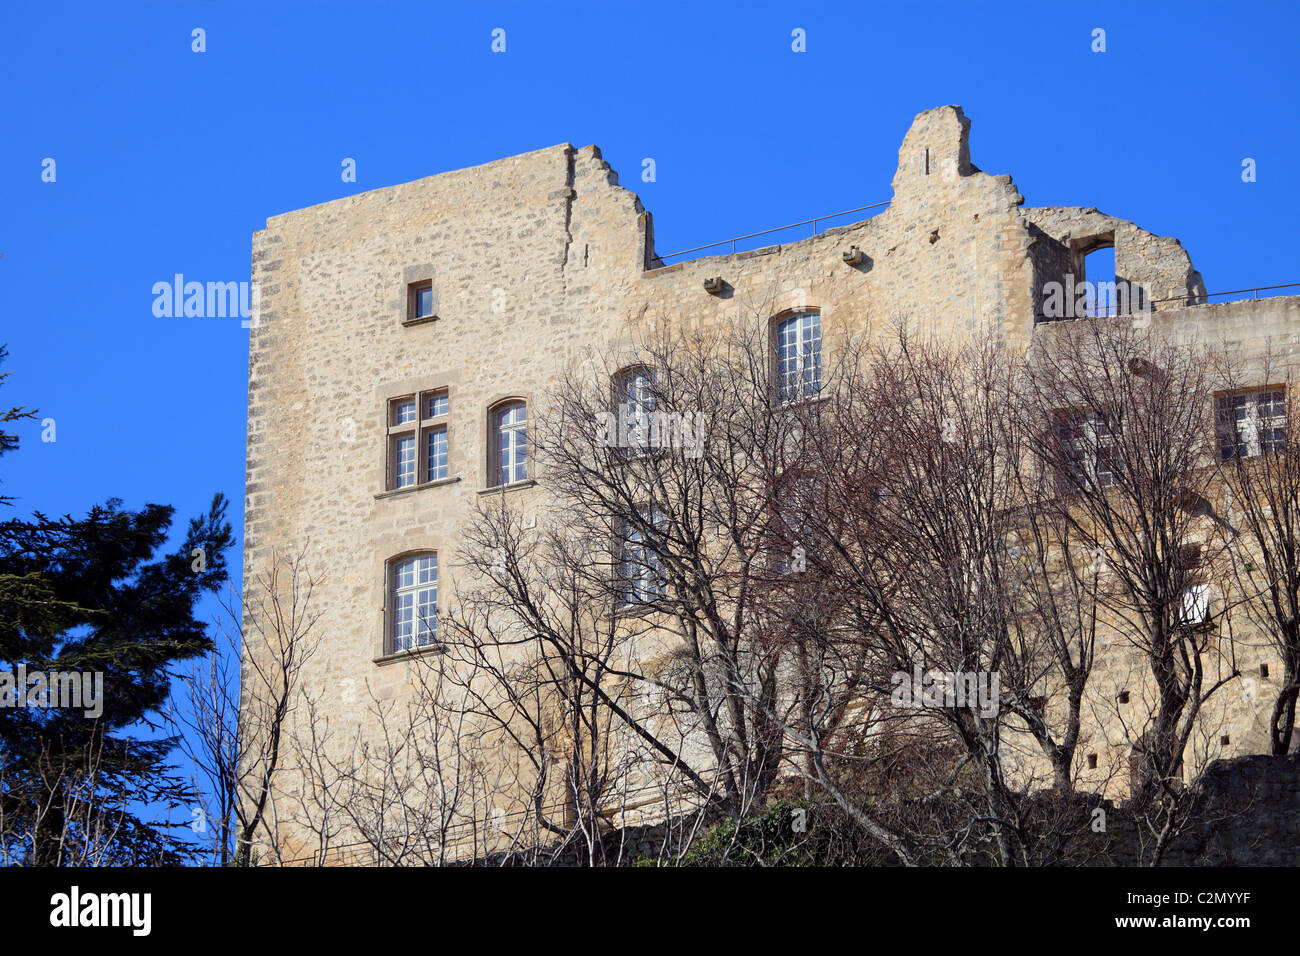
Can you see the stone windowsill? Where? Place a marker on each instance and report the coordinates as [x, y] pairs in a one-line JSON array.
[[396, 492], [420, 320], [513, 486], [412, 654]]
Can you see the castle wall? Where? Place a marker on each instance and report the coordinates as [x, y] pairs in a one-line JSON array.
[[537, 263]]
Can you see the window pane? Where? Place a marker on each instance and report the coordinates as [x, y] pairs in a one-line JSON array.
[[1252, 423], [415, 601], [511, 443], [798, 356], [641, 578], [403, 411], [436, 453], [403, 461], [423, 302], [437, 405]]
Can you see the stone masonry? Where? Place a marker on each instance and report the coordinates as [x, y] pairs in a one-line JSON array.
[[540, 260]]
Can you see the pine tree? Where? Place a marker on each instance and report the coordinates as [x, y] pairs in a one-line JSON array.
[[99, 594]]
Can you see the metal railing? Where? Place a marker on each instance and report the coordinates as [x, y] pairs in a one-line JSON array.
[[1209, 295], [753, 235]]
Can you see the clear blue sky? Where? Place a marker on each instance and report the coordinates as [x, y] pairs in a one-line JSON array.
[[168, 160]]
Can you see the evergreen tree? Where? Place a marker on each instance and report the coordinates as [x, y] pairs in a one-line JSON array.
[[98, 595]]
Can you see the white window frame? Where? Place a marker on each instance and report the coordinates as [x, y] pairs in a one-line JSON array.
[[509, 465], [1264, 414], [421, 630], [634, 401], [641, 579], [798, 357], [1088, 440], [1196, 605]]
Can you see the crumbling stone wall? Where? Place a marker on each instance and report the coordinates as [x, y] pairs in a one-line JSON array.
[[1159, 265]]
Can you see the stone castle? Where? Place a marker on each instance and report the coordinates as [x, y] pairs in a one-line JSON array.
[[406, 334]]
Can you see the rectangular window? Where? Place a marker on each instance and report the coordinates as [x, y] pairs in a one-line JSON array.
[[635, 406], [417, 439], [403, 411], [420, 300], [404, 461], [1252, 422], [640, 568], [435, 445], [798, 356], [1088, 448]]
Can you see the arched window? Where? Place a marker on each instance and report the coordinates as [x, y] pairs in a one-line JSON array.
[[413, 597], [797, 346], [509, 444], [634, 397], [634, 388]]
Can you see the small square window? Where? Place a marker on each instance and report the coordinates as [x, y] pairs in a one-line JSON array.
[[1263, 671], [402, 411], [1123, 697], [1225, 740], [435, 404], [1092, 761], [420, 303]]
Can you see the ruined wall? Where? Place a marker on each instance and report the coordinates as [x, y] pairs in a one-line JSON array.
[[1157, 264]]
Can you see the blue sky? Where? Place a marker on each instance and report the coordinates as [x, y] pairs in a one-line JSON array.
[[167, 160]]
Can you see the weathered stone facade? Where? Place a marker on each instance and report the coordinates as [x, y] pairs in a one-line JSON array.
[[540, 260]]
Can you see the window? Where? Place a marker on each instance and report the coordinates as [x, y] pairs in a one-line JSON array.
[[413, 597], [798, 349], [419, 303], [510, 444], [1252, 422], [1088, 449], [640, 570], [417, 439], [403, 461], [635, 400], [1196, 605], [436, 453], [1195, 609]]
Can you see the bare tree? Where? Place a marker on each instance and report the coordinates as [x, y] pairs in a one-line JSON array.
[[239, 704], [1259, 466], [1121, 419]]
